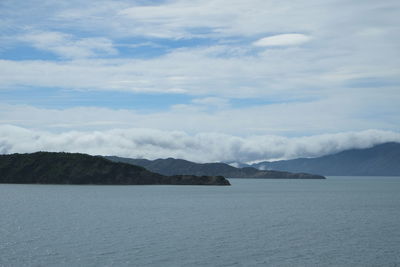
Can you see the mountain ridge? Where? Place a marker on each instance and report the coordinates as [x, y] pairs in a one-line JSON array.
[[379, 160], [171, 166]]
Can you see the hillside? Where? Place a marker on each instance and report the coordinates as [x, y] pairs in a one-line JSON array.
[[73, 168], [380, 160], [172, 166]]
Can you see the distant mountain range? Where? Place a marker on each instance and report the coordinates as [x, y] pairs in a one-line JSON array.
[[172, 166], [75, 168], [380, 160]]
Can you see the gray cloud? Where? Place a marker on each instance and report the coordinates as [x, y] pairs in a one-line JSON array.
[[202, 147]]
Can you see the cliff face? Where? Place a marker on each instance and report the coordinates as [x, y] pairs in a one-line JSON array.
[[172, 166], [74, 168]]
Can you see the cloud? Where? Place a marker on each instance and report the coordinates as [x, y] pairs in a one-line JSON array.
[[227, 65], [201, 147], [198, 18], [356, 113], [345, 79], [67, 46], [289, 39], [284, 73], [211, 102]]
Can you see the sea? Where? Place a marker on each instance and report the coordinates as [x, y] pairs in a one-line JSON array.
[[340, 221]]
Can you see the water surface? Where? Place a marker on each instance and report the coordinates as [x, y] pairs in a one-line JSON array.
[[341, 221]]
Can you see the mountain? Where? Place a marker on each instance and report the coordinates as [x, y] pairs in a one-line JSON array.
[[172, 166], [380, 160], [74, 168]]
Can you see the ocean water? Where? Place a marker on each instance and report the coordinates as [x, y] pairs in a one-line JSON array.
[[341, 221]]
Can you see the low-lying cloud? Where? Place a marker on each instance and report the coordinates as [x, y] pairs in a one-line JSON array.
[[201, 147]]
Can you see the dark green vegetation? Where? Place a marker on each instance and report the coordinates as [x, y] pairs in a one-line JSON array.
[[172, 166], [380, 160], [73, 168]]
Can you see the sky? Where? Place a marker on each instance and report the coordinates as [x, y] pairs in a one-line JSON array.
[[207, 80]]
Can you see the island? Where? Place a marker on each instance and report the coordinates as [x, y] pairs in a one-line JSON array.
[[82, 169], [171, 166]]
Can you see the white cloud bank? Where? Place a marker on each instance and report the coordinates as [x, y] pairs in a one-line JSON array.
[[202, 147]]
